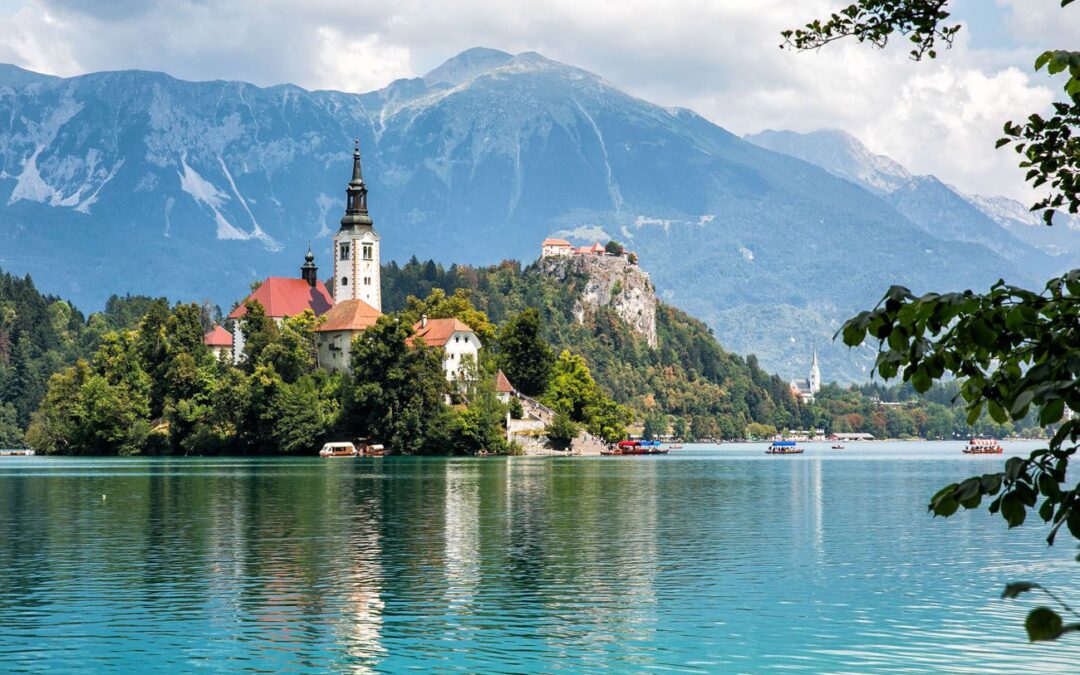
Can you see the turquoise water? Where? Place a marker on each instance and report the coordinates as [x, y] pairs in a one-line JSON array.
[[711, 559]]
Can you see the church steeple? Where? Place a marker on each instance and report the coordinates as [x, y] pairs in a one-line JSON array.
[[308, 271], [357, 272], [815, 374], [356, 211]]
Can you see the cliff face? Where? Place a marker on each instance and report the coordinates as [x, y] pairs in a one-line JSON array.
[[614, 283]]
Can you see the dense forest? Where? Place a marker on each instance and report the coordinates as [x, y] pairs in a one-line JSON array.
[[135, 378]]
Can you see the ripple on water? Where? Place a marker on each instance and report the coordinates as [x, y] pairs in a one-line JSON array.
[[715, 559]]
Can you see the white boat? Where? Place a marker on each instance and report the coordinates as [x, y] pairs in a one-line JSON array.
[[338, 450]]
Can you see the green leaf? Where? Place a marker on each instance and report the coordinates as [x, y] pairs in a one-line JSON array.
[[1021, 402], [1052, 412], [991, 483], [1012, 510], [997, 413], [921, 380], [1043, 623], [1017, 587], [974, 412], [1073, 523]]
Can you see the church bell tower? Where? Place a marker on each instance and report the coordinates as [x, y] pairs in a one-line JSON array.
[[356, 246]]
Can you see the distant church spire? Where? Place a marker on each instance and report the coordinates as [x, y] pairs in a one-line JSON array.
[[815, 374], [356, 211], [308, 271]]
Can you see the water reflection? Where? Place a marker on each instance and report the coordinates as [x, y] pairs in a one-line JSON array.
[[711, 561]]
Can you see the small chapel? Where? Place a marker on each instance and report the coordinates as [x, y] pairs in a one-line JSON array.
[[805, 389]]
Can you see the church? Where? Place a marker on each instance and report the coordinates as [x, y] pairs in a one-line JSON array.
[[804, 389], [352, 303]]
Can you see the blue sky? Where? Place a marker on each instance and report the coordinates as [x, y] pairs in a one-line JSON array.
[[718, 57]]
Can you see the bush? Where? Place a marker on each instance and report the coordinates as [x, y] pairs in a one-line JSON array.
[[562, 431]]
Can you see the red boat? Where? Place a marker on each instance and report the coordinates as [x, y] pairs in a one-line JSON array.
[[983, 446], [639, 448]]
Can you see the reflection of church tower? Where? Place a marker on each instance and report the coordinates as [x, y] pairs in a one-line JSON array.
[[356, 246], [815, 375]]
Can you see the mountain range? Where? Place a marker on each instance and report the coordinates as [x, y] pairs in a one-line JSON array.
[[135, 181]]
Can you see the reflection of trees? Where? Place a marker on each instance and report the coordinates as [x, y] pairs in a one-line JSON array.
[[582, 544]]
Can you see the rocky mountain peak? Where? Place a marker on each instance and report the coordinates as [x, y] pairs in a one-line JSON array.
[[467, 65]]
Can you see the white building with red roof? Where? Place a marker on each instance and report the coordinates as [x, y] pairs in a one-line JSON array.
[[281, 297], [341, 324], [553, 248], [454, 337], [503, 389], [220, 342]]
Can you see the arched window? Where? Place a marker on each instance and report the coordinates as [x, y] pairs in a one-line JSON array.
[[344, 281]]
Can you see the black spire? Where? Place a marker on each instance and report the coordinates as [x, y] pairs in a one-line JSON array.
[[308, 271], [356, 213]]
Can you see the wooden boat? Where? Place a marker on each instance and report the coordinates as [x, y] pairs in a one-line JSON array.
[[339, 450], [371, 450], [838, 447], [983, 446], [611, 451], [677, 446], [784, 448], [640, 448]]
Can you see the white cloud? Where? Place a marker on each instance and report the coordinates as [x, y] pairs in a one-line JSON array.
[[718, 57]]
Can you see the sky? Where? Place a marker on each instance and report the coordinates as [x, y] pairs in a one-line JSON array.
[[720, 58]]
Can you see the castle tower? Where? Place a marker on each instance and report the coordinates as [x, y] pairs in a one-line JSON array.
[[356, 246], [815, 374]]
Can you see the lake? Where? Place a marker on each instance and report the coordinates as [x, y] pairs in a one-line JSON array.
[[710, 559]]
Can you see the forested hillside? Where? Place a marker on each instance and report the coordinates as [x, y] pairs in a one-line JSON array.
[[134, 379], [688, 375]]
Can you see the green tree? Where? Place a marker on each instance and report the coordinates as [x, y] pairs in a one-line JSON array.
[[1012, 349], [524, 355], [614, 248], [656, 425], [562, 431], [572, 387], [760, 431], [11, 436], [398, 390], [680, 429], [259, 331]]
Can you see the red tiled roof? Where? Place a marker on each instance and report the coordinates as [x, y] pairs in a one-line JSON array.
[[555, 242], [218, 337], [502, 385], [349, 315], [282, 297], [438, 331]]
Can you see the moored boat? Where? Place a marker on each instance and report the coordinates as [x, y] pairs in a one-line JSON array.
[[638, 448], [838, 446], [784, 448], [983, 446], [339, 450]]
